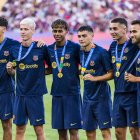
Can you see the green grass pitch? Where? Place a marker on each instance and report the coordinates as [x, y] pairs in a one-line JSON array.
[[50, 133]]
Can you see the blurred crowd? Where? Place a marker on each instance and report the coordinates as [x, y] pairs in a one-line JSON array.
[[95, 13]]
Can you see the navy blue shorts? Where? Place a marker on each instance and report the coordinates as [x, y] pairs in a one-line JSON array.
[[66, 112], [125, 110], [97, 114], [6, 108], [31, 108]]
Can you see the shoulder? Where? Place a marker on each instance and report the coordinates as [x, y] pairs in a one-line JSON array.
[[100, 49], [73, 44], [12, 42], [51, 47], [113, 45]]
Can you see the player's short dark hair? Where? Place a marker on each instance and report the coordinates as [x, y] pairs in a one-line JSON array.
[[120, 20], [3, 22], [85, 28], [135, 22], [59, 23]]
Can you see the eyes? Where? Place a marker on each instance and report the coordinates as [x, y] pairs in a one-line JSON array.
[[80, 36], [57, 31], [133, 31], [114, 29], [25, 29]]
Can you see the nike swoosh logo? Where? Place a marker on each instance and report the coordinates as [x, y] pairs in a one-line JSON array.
[[72, 124], [7, 114], [105, 123], [133, 122], [38, 120]]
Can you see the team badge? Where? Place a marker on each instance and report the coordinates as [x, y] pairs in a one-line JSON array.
[[6, 53], [124, 58], [54, 65], [92, 63], [67, 56], [126, 50], [21, 66], [138, 61], [35, 57], [113, 59]]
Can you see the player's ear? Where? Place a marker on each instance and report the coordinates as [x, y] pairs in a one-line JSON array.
[[4, 29]]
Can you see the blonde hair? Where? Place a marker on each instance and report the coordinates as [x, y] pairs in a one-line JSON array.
[[29, 21]]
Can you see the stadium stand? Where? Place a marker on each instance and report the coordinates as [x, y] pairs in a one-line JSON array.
[[96, 13]]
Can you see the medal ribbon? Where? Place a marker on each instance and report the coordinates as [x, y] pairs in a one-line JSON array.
[[2, 44], [119, 61], [60, 65], [136, 57], [26, 54], [84, 66], [21, 58]]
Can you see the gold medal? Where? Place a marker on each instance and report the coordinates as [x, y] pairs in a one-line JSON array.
[[117, 74], [60, 75]]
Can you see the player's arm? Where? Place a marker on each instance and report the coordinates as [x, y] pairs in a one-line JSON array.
[[131, 78], [10, 68], [48, 68], [105, 77]]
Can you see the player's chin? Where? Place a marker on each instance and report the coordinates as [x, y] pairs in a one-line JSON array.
[[134, 41]]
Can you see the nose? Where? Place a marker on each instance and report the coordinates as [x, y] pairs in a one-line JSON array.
[[131, 35]]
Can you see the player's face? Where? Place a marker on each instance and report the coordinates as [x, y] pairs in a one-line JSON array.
[[59, 34], [117, 31], [135, 33], [85, 38], [2, 30], [26, 32]]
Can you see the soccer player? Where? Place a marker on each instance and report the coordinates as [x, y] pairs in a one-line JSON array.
[[30, 81], [125, 96], [96, 69], [66, 99], [135, 36], [6, 83]]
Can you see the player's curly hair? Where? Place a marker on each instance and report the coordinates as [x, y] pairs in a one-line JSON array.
[[3, 22], [59, 23]]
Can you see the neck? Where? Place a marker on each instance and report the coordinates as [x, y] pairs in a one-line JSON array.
[[62, 43], [26, 43], [122, 40], [88, 48], [1, 38]]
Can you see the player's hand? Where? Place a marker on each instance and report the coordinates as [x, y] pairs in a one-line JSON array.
[[130, 78], [89, 77], [40, 43], [9, 67], [126, 76]]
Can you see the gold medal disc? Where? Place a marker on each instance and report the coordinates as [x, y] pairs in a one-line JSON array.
[[60, 75], [117, 74]]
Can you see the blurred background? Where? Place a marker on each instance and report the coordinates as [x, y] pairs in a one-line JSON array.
[[96, 13]]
